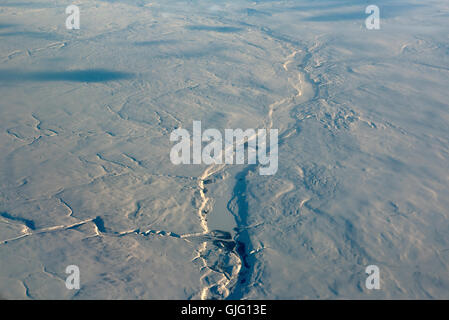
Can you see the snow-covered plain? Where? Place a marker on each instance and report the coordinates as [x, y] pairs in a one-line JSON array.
[[86, 178]]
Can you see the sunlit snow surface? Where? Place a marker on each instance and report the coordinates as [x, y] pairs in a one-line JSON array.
[[86, 178]]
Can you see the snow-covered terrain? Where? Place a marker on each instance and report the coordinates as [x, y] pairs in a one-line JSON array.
[[85, 171]]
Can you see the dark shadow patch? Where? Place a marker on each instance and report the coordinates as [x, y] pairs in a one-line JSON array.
[[214, 28], [154, 43], [94, 75], [99, 223], [137, 3], [6, 25], [29, 223], [319, 6], [256, 13], [33, 34], [386, 11], [358, 15]]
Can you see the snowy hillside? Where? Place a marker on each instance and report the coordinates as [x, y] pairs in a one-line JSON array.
[[85, 171]]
